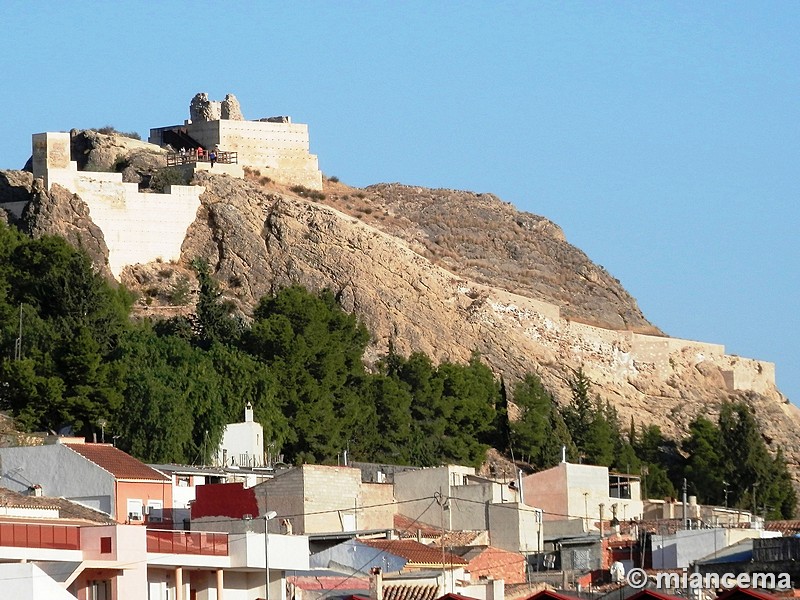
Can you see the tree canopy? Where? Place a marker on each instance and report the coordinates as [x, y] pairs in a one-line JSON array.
[[164, 390]]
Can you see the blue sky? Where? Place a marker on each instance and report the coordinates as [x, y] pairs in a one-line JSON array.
[[663, 137]]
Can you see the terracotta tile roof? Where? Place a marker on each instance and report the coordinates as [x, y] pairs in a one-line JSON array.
[[738, 592], [519, 591], [117, 462], [406, 528], [462, 538], [328, 583], [66, 508], [414, 552], [410, 592], [648, 594], [547, 594], [787, 528]]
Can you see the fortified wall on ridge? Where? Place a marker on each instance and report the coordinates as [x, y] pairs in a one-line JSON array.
[[138, 227]]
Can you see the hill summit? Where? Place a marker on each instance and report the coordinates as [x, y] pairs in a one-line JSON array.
[[443, 272]]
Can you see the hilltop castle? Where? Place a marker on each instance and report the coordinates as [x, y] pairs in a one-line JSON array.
[[274, 145], [142, 227]]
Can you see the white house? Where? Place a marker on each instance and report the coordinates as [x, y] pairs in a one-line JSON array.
[[242, 443]]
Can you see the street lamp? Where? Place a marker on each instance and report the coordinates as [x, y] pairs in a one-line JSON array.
[[267, 518]]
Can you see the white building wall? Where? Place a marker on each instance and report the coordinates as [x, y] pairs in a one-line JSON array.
[[679, 550], [137, 227], [26, 581], [424, 483], [242, 445], [515, 527]]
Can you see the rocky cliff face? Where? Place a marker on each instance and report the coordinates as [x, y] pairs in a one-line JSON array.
[[487, 240], [257, 239], [53, 212], [448, 273]]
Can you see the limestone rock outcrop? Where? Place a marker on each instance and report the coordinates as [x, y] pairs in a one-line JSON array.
[[135, 159], [59, 212], [446, 273], [230, 109], [203, 109], [482, 238]]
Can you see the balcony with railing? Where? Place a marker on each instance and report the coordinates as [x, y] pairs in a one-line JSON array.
[[193, 157], [50, 537], [198, 543]]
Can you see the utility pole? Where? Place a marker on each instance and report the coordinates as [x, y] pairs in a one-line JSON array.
[[586, 510], [684, 504], [18, 341], [441, 501]]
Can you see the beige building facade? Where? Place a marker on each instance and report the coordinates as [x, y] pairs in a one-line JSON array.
[[580, 492], [327, 499]]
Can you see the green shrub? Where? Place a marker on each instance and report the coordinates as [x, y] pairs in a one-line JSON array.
[[179, 294], [166, 177], [111, 130], [303, 191]]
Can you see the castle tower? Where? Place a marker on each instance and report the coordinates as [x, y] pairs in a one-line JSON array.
[[51, 151]]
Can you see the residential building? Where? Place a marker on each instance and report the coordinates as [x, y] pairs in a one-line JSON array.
[[96, 475], [455, 497], [326, 499], [698, 514], [487, 562], [69, 556], [584, 492], [680, 549]]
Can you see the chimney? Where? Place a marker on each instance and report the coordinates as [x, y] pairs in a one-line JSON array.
[[375, 584], [564, 454], [248, 413]]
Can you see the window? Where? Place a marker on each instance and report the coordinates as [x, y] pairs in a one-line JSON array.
[[134, 509], [105, 545], [154, 511]]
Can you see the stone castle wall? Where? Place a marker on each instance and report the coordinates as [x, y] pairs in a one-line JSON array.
[[138, 228], [279, 150], [277, 147], [611, 356]]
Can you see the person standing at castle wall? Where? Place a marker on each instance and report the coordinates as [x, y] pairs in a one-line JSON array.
[[212, 156]]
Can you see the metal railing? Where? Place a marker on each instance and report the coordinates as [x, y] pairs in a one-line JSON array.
[[26, 535], [187, 542], [191, 157]]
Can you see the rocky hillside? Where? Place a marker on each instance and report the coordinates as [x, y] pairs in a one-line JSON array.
[[482, 238], [439, 271]]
